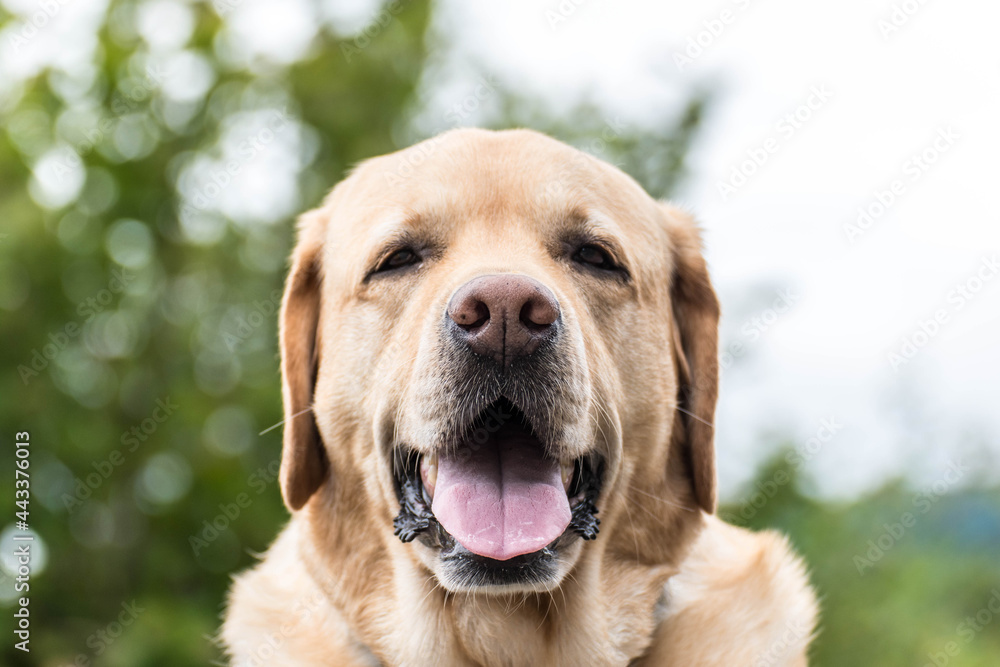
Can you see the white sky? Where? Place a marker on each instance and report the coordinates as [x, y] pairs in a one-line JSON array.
[[888, 98]]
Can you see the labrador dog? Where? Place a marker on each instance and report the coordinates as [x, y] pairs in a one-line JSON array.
[[499, 371]]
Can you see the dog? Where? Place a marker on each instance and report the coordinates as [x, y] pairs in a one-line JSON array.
[[499, 373]]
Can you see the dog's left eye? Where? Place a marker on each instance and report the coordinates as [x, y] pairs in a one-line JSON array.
[[596, 257], [399, 259]]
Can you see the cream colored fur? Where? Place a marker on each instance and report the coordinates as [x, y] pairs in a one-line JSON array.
[[664, 583]]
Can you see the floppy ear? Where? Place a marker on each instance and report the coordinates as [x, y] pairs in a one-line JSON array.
[[304, 464], [696, 348]]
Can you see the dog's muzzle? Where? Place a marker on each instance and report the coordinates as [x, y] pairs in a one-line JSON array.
[[495, 489]]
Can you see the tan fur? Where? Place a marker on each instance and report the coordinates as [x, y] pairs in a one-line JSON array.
[[664, 583]]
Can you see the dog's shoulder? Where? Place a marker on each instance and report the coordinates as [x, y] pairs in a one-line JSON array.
[[739, 598], [277, 615]]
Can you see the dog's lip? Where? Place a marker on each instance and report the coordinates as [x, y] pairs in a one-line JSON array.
[[456, 551]]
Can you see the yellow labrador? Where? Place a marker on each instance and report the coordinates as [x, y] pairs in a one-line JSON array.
[[499, 363]]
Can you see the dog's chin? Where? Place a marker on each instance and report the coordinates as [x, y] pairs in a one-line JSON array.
[[458, 570]]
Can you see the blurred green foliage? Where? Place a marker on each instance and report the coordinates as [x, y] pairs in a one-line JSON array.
[[137, 293]]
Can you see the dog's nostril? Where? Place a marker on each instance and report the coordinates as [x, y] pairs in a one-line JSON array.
[[539, 312], [503, 316], [470, 314]]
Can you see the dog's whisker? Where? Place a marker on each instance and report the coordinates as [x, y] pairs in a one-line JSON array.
[[635, 536], [660, 520], [562, 591], [434, 586], [271, 428], [545, 616], [662, 500], [694, 416]]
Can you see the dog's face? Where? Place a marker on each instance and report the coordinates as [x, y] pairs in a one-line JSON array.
[[498, 335]]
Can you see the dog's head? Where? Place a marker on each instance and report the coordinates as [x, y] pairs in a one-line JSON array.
[[497, 336]]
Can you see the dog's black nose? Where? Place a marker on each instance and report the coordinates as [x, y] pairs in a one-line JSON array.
[[504, 316]]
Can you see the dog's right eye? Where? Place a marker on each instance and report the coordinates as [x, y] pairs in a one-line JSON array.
[[400, 259]]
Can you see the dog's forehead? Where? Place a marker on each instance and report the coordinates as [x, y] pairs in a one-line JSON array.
[[481, 174], [486, 160]]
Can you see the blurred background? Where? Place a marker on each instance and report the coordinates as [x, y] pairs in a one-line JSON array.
[[842, 158]]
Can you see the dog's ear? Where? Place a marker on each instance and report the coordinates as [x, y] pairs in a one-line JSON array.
[[696, 347], [304, 464]]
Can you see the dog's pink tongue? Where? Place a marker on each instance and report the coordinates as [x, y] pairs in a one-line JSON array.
[[503, 499]]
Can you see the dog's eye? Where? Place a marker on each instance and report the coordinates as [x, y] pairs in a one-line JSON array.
[[399, 259], [596, 257]]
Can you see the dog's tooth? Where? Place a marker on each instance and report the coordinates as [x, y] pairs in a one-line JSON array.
[[567, 474], [429, 473]]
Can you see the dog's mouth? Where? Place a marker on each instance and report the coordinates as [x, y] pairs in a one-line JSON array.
[[497, 496]]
